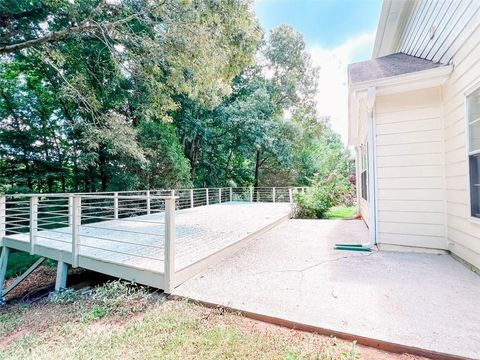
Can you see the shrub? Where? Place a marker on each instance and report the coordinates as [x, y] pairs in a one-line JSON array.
[[311, 205], [321, 196]]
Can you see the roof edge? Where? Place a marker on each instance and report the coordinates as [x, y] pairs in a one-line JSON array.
[[393, 17], [439, 73]]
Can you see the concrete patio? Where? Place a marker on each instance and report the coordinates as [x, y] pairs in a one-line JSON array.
[[292, 272]]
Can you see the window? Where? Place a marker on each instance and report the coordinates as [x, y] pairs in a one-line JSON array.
[[473, 119], [364, 171]]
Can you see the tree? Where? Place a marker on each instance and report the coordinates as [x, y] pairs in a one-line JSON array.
[[129, 94], [106, 67]]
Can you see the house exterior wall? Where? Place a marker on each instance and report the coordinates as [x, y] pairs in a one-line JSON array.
[[455, 39], [410, 169]]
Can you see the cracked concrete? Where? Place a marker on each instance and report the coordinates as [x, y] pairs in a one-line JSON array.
[[292, 272]]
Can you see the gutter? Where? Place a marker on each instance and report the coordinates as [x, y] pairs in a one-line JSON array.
[[427, 78]]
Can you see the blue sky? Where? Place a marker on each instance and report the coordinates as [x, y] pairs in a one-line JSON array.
[[337, 32]]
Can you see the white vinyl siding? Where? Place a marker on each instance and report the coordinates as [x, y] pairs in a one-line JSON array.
[[410, 169], [456, 40], [436, 30]]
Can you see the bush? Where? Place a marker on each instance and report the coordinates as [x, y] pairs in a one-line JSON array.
[[321, 196], [311, 205]]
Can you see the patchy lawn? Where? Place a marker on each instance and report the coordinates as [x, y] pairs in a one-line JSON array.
[[118, 320], [341, 212]]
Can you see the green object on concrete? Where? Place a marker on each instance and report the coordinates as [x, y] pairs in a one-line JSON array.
[[352, 247]]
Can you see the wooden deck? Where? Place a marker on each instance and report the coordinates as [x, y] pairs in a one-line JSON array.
[[133, 248]]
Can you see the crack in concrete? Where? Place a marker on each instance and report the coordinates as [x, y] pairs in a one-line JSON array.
[[301, 271], [314, 265]]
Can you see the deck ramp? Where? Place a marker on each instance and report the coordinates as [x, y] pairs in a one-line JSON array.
[[133, 248]]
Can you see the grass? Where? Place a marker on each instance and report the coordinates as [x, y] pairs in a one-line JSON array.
[[19, 261], [341, 212], [122, 321]]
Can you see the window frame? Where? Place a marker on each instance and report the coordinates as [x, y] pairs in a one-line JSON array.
[[364, 169], [470, 154]]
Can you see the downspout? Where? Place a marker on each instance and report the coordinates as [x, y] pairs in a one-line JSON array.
[[372, 180], [372, 176]]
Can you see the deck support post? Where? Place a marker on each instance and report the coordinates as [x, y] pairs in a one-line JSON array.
[[3, 269], [251, 193], [169, 264], [290, 195], [115, 205], [33, 223], [219, 195], [3, 218], [61, 279], [76, 222], [231, 194], [206, 196], [191, 198], [148, 202], [273, 194]]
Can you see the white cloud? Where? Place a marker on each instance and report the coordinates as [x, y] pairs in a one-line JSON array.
[[332, 95]]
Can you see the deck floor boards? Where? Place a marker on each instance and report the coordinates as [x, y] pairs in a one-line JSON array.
[[139, 241]]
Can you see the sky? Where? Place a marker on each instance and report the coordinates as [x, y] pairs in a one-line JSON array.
[[337, 32]]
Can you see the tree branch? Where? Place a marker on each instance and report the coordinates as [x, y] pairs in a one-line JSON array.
[[86, 26]]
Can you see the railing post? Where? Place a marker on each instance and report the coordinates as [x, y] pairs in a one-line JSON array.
[[290, 195], [169, 264], [115, 205], [70, 210], [251, 193], [191, 198], [219, 195], [76, 222], [273, 194], [148, 202], [207, 194], [33, 223], [3, 219], [231, 194]]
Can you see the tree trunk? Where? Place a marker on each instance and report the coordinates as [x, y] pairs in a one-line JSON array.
[[28, 174], [102, 159], [193, 157], [257, 169]]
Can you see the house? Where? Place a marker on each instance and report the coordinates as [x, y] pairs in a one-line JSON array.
[[414, 120]]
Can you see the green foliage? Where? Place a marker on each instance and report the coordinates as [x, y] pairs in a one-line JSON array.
[[20, 261], [66, 296], [84, 77], [116, 298], [109, 96], [324, 193], [313, 204]]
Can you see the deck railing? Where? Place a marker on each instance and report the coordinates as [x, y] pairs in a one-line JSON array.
[[88, 223]]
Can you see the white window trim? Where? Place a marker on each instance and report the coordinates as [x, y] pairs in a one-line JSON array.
[[364, 168], [467, 93]]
